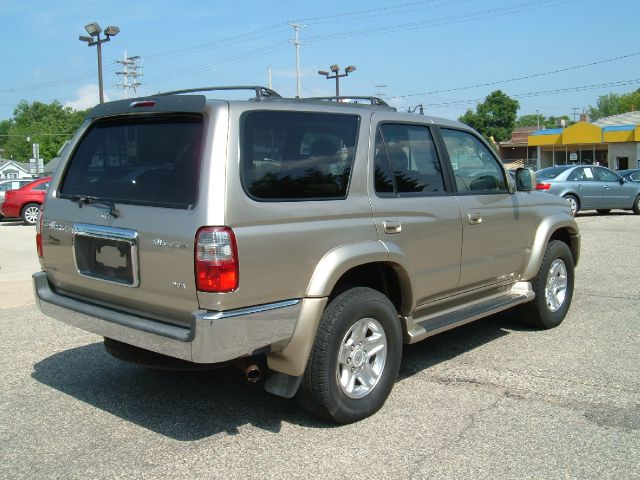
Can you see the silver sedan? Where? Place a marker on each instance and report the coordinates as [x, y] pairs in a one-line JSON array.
[[590, 187]]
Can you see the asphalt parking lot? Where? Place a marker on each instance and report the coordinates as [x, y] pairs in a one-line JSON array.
[[492, 399]]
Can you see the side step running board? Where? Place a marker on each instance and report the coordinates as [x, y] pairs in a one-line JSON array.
[[433, 323]]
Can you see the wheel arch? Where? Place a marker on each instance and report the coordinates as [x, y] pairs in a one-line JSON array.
[[556, 227]]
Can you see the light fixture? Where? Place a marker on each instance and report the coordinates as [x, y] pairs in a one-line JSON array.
[[111, 31], [93, 29]]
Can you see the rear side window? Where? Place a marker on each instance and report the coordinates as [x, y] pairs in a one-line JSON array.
[[406, 161], [288, 156], [551, 172], [138, 160]]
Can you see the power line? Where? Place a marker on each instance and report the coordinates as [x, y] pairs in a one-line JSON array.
[[525, 77], [465, 17], [537, 94]]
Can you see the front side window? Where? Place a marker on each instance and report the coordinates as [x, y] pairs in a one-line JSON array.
[[148, 160], [288, 156], [406, 161], [605, 175], [475, 168]]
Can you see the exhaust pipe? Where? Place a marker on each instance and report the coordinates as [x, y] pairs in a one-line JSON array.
[[250, 369]]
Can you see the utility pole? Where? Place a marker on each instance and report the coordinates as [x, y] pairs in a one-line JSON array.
[[575, 109], [538, 119], [132, 70], [296, 42]]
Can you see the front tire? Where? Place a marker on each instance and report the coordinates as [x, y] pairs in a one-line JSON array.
[[636, 205], [355, 358], [553, 286], [31, 213]]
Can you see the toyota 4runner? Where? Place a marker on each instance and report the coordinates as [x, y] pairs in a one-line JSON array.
[[321, 234]]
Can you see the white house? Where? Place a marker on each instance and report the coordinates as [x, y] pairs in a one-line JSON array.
[[13, 169]]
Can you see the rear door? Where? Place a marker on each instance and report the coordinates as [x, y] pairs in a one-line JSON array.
[[584, 182], [119, 228]]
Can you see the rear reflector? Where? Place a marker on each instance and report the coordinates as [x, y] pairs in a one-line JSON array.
[[543, 186], [39, 234], [143, 103], [216, 260]]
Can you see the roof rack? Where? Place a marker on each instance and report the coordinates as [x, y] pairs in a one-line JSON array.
[[260, 91], [344, 99]]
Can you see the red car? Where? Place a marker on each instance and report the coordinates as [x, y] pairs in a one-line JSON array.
[[25, 202]]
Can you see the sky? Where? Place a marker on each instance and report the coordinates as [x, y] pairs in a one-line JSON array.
[[556, 57]]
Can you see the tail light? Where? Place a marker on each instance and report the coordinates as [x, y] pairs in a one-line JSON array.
[[216, 260], [39, 234], [543, 186]]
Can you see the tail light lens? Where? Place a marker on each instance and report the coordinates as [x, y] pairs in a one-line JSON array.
[[216, 260], [543, 186]]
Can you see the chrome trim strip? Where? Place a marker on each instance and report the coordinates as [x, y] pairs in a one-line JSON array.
[[248, 311]]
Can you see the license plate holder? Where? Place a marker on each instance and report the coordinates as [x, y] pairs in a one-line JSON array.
[[107, 254]]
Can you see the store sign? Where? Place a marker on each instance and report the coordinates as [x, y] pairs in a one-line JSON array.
[[573, 157]]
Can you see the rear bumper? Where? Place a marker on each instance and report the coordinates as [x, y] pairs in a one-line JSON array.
[[212, 337]]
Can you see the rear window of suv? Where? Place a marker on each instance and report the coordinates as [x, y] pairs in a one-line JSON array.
[[138, 160], [289, 156]]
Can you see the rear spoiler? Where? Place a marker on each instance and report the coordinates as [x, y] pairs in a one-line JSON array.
[[153, 104]]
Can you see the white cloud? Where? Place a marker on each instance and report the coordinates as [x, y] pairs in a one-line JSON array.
[[87, 96]]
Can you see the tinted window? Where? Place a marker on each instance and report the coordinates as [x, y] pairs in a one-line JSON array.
[[474, 167], [605, 175], [582, 174], [406, 160], [551, 172], [297, 156], [140, 160], [42, 186]]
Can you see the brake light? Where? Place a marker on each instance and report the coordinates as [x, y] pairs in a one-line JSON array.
[[543, 186], [39, 234], [216, 260], [143, 103]]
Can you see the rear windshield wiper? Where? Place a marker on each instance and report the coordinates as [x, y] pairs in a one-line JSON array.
[[89, 200]]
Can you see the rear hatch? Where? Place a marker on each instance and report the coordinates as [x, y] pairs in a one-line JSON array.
[[120, 223]]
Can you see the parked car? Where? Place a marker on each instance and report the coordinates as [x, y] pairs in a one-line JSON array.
[[590, 187], [632, 175], [11, 184], [318, 234], [26, 201]]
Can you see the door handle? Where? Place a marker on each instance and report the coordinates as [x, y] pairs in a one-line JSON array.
[[475, 219], [391, 226], [607, 187]]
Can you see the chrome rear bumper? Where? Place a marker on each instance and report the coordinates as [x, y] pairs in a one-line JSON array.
[[212, 337]]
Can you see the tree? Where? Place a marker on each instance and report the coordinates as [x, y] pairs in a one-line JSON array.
[[49, 125], [614, 103], [495, 117], [533, 119]]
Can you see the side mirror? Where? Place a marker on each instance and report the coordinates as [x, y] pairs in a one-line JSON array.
[[623, 180], [525, 180]]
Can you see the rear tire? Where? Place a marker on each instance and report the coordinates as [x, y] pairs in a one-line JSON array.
[[573, 203], [553, 286], [636, 205], [31, 213], [355, 357]]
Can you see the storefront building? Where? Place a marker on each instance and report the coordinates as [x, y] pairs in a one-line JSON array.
[[613, 142]]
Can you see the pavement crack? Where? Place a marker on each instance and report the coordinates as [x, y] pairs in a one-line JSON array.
[[472, 420]]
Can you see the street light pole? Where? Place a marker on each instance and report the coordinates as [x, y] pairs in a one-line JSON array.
[[94, 30], [335, 69]]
